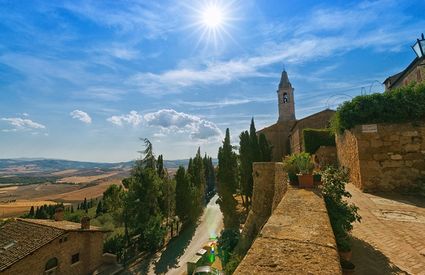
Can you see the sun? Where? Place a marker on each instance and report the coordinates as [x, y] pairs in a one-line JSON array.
[[212, 17], [213, 21]]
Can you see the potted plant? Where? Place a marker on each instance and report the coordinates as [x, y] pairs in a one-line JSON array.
[[347, 267], [291, 168], [305, 166]]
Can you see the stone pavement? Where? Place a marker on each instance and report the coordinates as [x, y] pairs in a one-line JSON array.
[[392, 226]]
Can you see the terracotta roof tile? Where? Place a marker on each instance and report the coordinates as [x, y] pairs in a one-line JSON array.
[[19, 238]]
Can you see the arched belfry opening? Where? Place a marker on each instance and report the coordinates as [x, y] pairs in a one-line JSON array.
[[285, 98]]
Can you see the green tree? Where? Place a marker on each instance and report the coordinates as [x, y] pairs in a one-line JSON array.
[[142, 201], [197, 176], [148, 160], [255, 148], [209, 176], [227, 176], [160, 167], [183, 195], [265, 148], [99, 209], [31, 213], [85, 206], [245, 168]]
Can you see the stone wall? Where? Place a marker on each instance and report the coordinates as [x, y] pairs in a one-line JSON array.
[[325, 156], [297, 239], [270, 184], [390, 158], [88, 244]]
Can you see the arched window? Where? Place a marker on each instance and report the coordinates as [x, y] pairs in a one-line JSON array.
[[51, 266], [285, 98]]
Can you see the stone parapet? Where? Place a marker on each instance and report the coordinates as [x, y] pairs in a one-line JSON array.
[[297, 239], [270, 184]]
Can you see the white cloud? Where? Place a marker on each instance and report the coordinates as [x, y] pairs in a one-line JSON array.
[[133, 118], [170, 120], [225, 102], [82, 116], [22, 124]]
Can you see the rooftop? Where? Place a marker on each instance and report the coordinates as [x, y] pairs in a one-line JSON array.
[[21, 237]]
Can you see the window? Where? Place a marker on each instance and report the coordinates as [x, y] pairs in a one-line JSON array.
[[51, 266], [285, 98], [75, 258]]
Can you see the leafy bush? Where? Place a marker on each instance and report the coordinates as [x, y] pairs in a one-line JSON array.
[[314, 138], [400, 105], [304, 163], [341, 213], [289, 165], [115, 245]]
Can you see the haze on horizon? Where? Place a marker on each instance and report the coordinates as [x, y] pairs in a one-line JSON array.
[[84, 80]]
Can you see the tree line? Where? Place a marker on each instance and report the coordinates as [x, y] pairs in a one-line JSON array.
[[234, 178]]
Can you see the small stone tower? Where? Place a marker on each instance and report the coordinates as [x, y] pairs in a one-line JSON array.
[[285, 95]]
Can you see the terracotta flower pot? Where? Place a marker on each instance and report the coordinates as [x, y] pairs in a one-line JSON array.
[[306, 181]]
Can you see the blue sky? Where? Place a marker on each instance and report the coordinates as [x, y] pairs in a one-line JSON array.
[[83, 80]]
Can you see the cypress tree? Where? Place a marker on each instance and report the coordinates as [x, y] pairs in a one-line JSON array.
[[160, 166], [99, 208], [265, 148], [256, 154], [246, 160], [184, 202], [227, 182], [198, 180], [31, 214]]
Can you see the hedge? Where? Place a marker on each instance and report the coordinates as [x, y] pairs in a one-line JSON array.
[[314, 138], [396, 106]]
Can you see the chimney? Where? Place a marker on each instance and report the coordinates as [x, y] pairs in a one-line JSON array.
[[85, 223], [58, 214]]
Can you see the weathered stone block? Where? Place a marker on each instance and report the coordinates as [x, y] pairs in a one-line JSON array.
[[392, 163], [394, 138], [396, 157], [410, 133], [412, 147], [376, 143], [380, 157]]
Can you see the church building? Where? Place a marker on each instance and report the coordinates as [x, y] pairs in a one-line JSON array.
[[286, 134]]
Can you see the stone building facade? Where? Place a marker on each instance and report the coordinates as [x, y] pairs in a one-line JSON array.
[[31, 246], [384, 157], [415, 72], [317, 121], [287, 127]]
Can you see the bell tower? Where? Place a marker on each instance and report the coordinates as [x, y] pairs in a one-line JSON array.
[[285, 95]]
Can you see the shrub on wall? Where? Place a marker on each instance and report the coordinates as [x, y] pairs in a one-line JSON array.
[[400, 105], [314, 138]]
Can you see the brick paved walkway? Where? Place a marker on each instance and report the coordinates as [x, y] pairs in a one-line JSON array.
[[393, 225]]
